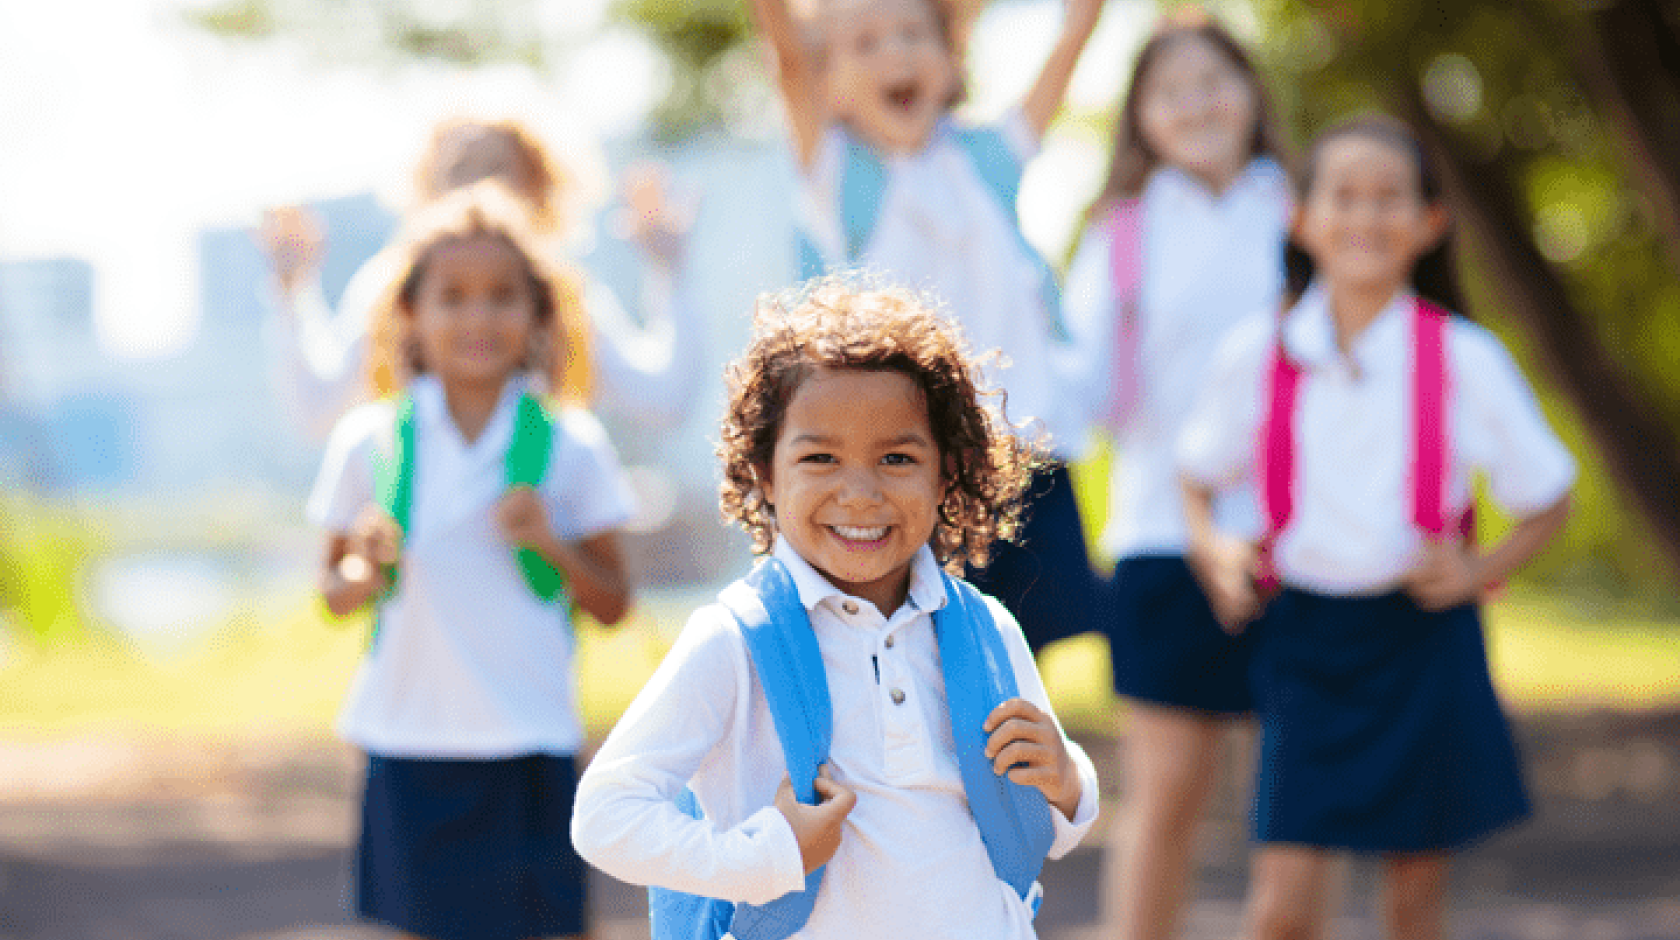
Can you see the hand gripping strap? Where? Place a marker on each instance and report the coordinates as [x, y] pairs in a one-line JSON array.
[[526, 464], [790, 670], [1014, 820]]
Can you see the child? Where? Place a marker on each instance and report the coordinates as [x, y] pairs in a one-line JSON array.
[[891, 181], [317, 352], [1194, 187], [857, 454], [1381, 731], [471, 519]]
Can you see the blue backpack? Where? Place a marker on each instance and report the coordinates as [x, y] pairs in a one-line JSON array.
[[1014, 820]]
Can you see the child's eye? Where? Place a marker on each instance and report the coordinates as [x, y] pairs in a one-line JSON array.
[[898, 460], [817, 458]]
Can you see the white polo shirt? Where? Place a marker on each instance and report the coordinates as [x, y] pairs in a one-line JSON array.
[[910, 862], [468, 661], [1209, 261], [942, 229], [1352, 531]]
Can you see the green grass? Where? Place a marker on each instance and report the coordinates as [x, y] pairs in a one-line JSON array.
[[284, 671]]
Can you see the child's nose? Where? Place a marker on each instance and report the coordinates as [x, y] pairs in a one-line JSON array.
[[859, 486]]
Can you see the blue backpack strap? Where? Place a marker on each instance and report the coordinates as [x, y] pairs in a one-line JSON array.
[[790, 670], [863, 183], [1014, 820]]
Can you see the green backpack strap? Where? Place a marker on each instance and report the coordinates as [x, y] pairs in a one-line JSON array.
[[527, 465]]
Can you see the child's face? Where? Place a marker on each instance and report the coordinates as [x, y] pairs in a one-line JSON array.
[[1364, 221], [890, 72], [1198, 111], [856, 480], [474, 310]]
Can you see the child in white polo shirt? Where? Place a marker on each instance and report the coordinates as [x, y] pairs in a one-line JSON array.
[[858, 456], [472, 518]]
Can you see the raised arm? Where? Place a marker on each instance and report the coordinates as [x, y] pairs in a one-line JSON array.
[[797, 75], [1046, 94]]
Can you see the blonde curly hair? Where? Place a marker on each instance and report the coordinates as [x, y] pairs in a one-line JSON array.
[[834, 323], [560, 342]]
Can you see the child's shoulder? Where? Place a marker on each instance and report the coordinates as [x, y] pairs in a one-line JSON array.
[[366, 425], [579, 424]]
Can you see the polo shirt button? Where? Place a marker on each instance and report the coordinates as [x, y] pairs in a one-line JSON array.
[[889, 642], [897, 696], [849, 607]]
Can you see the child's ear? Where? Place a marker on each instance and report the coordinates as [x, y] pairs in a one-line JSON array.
[[1437, 221], [766, 486]]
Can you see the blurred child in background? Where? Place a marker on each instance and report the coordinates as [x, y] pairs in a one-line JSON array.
[[1184, 240], [653, 371], [1373, 405], [890, 180], [472, 508], [859, 457]]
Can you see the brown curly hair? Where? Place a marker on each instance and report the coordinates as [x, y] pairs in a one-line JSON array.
[[462, 147], [559, 350], [833, 322]]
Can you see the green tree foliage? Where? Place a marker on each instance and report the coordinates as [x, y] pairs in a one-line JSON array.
[[705, 41]]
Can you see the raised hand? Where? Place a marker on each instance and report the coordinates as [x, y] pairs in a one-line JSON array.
[[818, 827], [650, 216], [295, 242]]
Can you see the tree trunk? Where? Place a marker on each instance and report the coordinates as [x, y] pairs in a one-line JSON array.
[[1640, 448]]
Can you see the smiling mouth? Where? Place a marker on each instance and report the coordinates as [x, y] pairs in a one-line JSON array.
[[903, 97], [852, 533]]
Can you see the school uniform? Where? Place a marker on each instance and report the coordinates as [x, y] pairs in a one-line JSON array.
[[1381, 728], [934, 221], [466, 702], [910, 863], [1207, 261]]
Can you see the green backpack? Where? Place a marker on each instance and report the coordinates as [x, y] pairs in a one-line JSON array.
[[525, 464]]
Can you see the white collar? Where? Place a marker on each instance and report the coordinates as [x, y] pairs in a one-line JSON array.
[[927, 588], [1309, 333], [1261, 175], [431, 408]]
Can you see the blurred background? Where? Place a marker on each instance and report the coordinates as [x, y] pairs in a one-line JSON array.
[[162, 655]]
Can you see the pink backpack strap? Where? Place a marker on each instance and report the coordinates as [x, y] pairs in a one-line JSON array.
[[1429, 418], [1276, 458], [1125, 266]]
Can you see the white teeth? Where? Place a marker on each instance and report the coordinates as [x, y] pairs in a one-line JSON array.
[[859, 533]]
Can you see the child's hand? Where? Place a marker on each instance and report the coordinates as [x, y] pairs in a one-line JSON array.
[[1226, 568], [294, 241], [1448, 574], [523, 519], [650, 217], [817, 827], [375, 538], [1026, 746]]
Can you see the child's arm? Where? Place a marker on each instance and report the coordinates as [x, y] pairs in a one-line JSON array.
[[1453, 573], [594, 569], [1224, 565], [1046, 94], [797, 76], [693, 716]]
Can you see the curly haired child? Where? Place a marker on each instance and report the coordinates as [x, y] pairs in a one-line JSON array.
[[858, 454]]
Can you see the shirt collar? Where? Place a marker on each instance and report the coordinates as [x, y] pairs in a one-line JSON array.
[[1309, 334], [1261, 175], [432, 410], [927, 588]]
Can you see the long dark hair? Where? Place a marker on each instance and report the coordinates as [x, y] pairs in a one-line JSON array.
[[1133, 158], [1435, 276]]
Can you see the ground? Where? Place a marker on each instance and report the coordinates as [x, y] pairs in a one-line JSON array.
[[165, 838]]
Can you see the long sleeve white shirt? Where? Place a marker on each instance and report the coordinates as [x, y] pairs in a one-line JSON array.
[[911, 862]]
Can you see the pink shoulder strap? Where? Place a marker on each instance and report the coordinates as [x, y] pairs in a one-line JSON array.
[[1125, 268], [1276, 458]]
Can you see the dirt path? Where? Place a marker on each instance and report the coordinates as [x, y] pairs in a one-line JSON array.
[[178, 840]]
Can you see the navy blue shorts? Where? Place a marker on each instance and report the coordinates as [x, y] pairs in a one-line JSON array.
[[471, 849], [1166, 645], [1380, 729], [1044, 577]]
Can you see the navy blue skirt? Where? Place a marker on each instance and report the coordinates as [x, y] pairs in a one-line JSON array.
[[471, 849], [1166, 645], [1380, 729], [1044, 576]]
